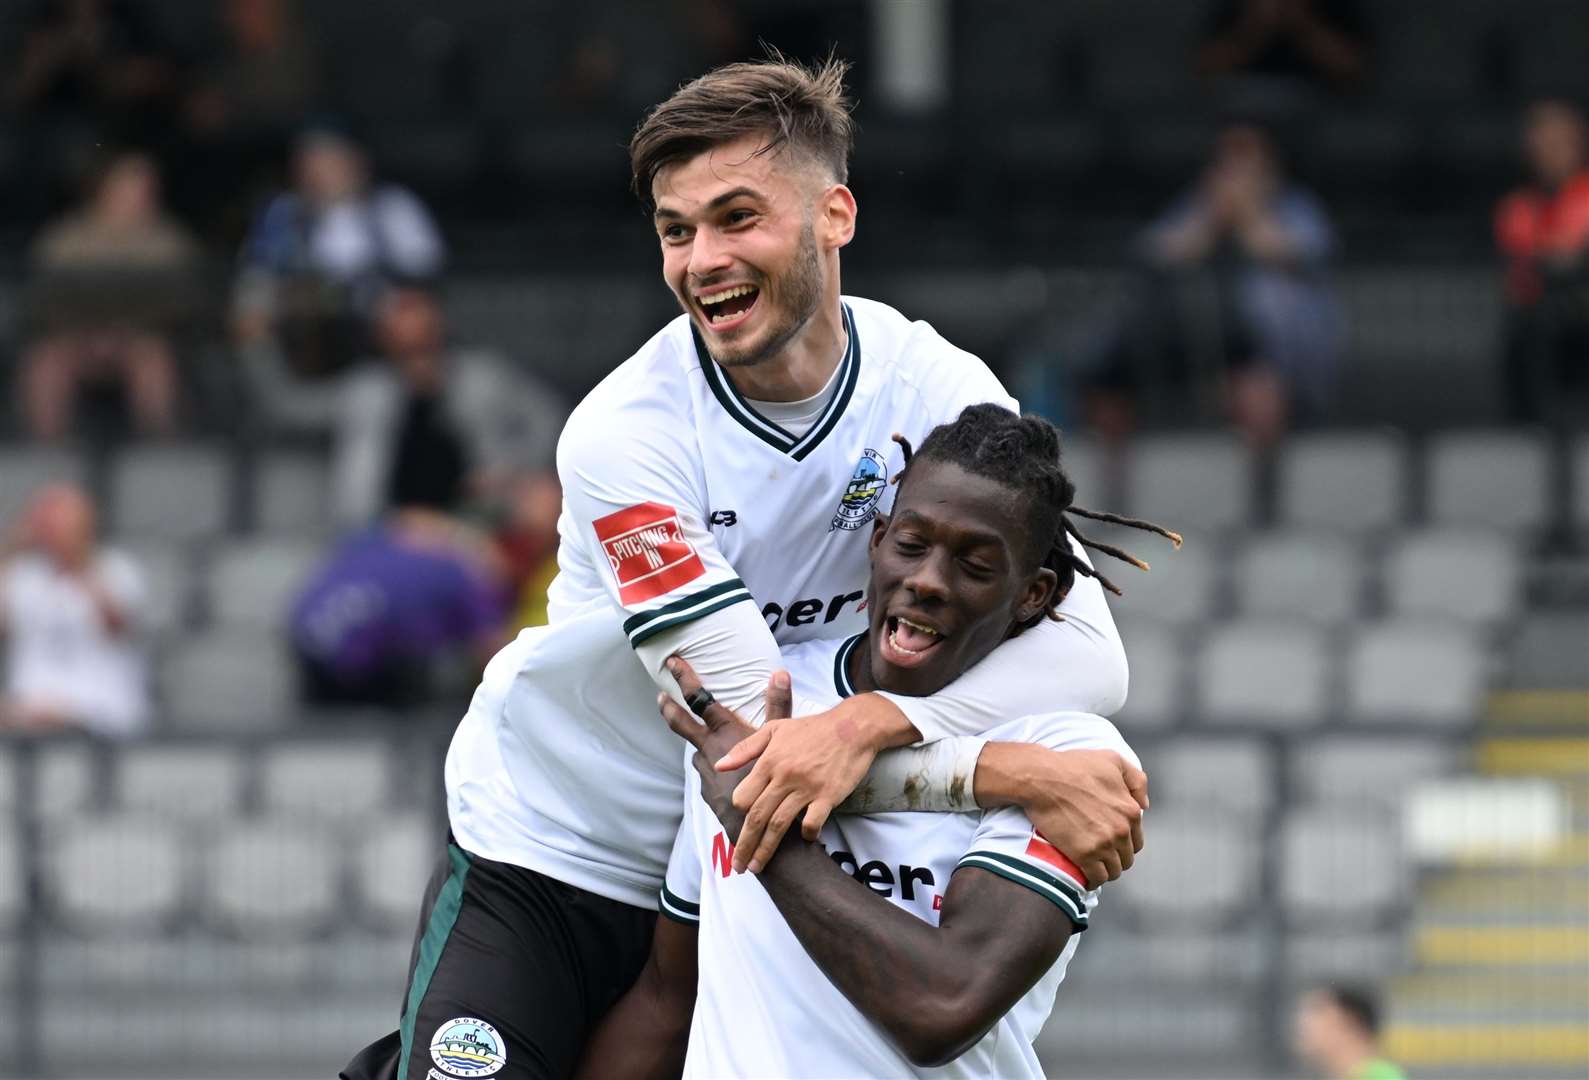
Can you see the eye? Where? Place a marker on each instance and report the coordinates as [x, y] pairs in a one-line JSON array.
[[976, 568], [674, 232], [909, 546], [740, 216]]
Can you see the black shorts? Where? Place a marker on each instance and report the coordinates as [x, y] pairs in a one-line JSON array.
[[511, 971]]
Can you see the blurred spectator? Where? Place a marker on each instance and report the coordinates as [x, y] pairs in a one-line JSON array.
[[1287, 47], [111, 281], [428, 416], [400, 612], [97, 64], [527, 543], [1337, 1034], [1542, 230], [69, 610], [318, 259], [1236, 299]]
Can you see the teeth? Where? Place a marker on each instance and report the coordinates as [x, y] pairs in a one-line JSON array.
[[918, 626], [894, 641], [727, 294]]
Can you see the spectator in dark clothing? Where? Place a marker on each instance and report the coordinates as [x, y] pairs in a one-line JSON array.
[[428, 414], [1542, 230], [97, 64], [1287, 45], [400, 612], [110, 283], [1234, 300]]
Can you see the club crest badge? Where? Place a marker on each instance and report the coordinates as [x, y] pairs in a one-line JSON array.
[[858, 504], [468, 1047]]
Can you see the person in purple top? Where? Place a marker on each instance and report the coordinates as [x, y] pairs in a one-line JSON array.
[[395, 607]]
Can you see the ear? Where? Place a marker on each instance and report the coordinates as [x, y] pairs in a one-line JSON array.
[[1041, 590], [879, 527], [836, 212]]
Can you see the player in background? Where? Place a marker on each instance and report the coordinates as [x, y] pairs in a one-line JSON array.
[[1337, 1035], [899, 941], [739, 454]]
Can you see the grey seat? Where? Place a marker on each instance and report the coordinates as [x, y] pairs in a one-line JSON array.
[[1352, 482], [198, 783], [1157, 694], [1299, 576], [1548, 652], [1198, 485], [1340, 866], [1235, 774], [1200, 868], [1344, 954], [24, 470], [1425, 672], [252, 583], [13, 882], [393, 864], [338, 780], [1580, 485], [1466, 575], [123, 872], [1492, 479], [292, 495], [1265, 673], [65, 780], [168, 583], [10, 797], [1181, 587], [232, 680], [170, 492], [1086, 462], [270, 879], [1367, 769]]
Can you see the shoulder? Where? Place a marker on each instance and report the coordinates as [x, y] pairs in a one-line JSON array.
[[913, 354], [1067, 731], [811, 668], [644, 400]]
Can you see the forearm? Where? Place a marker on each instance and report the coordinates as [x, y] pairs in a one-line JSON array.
[[646, 1034], [938, 777], [732, 651], [869, 948], [1005, 775]]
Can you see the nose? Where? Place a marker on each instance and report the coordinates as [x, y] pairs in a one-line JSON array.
[[928, 580], [708, 254]]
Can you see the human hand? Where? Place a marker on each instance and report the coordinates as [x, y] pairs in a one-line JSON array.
[[721, 731], [1088, 804], [808, 765]]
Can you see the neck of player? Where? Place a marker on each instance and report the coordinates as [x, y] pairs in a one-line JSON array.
[[858, 667], [803, 366]]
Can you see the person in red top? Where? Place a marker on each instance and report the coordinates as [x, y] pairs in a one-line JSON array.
[[1542, 229]]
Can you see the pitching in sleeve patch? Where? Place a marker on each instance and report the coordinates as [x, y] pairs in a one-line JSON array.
[[648, 551], [1039, 848]]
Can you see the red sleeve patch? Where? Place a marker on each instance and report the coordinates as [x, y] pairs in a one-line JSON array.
[[1039, 848], [648, 551]]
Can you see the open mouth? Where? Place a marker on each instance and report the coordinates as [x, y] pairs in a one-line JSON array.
[[907, 642], [728, 306]]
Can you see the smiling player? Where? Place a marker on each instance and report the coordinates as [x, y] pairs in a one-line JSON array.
[[717, 488]]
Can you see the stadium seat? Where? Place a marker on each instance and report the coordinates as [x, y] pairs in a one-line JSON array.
[[1345, 955], [10, 798], [271, 879], [1146, 956], [1294, 575], [13, 879], [1200, 869], [1264, 673], [1351, 482], [1425, 672], [1339, 866], [1547, 653], [1490, 479], [393, 864], [292, 495], [1181, 587], [168, 584], [253, 583], [1580, 486], [1086, 462], [190, 782], [1470, 576], [232, 680], [1168, 1032], [337, 780], [123, 872], [1157, 695], [170, 492], [23, 470], [65, 779], [1359, 769], [1198, 485], [1232, 773]]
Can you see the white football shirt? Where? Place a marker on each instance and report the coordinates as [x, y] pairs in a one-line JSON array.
[[679, 500], [798, 1024]]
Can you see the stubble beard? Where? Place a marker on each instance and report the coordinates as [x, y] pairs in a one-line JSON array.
[[799, 291]]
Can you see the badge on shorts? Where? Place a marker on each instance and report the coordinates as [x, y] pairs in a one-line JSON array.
[[467, 1046]]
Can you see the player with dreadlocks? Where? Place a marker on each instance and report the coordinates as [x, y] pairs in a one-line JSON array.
[[900, 941]]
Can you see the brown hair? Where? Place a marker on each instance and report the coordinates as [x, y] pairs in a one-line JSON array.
[[793, 105]]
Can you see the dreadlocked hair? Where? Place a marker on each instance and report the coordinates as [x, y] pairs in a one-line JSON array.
[[1023, 454]]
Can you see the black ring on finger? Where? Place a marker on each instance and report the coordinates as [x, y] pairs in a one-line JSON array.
[[699, 701]]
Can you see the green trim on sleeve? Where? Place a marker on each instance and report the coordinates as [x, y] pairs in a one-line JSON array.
[[677, 908], [1062, 893], [648, 624]]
